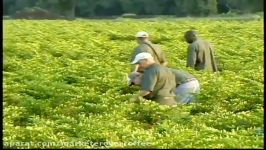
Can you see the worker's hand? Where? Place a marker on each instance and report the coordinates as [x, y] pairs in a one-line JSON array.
[[126, 79], [132, 76], [135, 73], [165, 64], [136, 99]]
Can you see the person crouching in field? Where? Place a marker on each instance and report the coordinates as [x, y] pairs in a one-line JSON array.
[[200, 53], [187, 86], [145, 45], [157, 83]]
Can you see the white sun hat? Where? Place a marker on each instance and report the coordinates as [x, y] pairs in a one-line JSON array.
[[140, 56], [142, 34]]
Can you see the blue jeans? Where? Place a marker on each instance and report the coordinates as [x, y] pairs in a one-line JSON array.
[[187, 92]]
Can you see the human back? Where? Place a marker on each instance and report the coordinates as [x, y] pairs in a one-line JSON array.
[[201, 54], [158, 81], [205, 59], [154, 49], [164, 87], [145, 45], [181, 76]]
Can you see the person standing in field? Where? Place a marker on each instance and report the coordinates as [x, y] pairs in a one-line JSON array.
[[200, 53], [187, 86], [145, 45], [157, 83]]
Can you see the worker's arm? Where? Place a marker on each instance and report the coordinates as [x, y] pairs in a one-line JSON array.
[[136, 68], [165, 63], [148, 82], [215, 60], [191, 56], [137, 97], [144, 93], [147, 86], [162, 59]]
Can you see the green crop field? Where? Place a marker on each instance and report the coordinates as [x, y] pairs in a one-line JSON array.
[[65, 86]]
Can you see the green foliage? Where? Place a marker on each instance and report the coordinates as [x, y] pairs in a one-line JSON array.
[[92, 8], [66, 82], [200, 7], [246, 6]]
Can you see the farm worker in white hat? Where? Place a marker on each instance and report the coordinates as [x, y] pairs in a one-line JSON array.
[[187, 86], [145, 45], [157, 83]]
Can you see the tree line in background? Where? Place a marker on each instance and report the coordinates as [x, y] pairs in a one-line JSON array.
[[92, 8]]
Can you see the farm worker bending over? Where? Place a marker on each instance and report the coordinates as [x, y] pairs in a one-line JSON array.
[[145, 45], [201, 55], [187, 86], [157, 81]]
